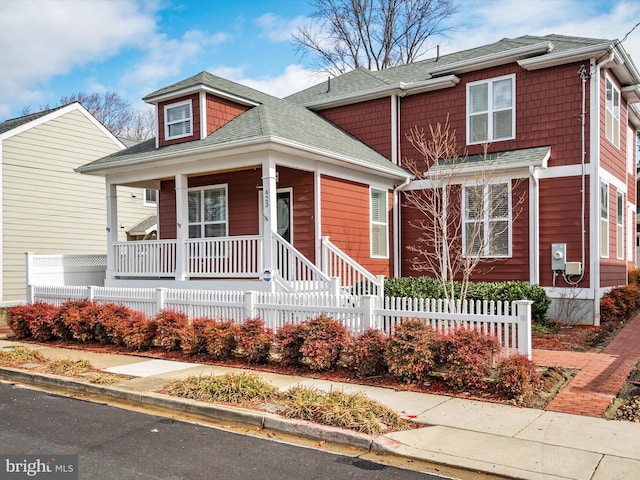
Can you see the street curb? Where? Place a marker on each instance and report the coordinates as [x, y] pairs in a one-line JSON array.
[[221, 412]]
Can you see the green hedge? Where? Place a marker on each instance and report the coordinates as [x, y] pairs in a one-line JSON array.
[[427, 287]]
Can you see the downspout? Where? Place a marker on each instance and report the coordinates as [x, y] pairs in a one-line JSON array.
[[594, 159], [534, 241], [396, 227]]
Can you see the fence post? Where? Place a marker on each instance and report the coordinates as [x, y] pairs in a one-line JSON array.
[[380, 285], [523, 311], [367, 311], [91, 293], [249, 304], [335, 286], [31, 295], [160, 294]]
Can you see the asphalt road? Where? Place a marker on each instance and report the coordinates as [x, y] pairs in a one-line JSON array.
[[114, 443]]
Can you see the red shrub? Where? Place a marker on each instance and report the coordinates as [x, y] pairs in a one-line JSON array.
[[409, 351], [137, 332], [170, 326], [366, 353], [192, 339], [36, 320], [254, 340], [289, 340], [110, 320], [608, 310], [468, 357], [324, 340], [79, 318], [220, 338], [517, 377]]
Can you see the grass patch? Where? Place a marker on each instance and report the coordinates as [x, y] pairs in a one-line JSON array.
[[20, 355], [67, 367], [353, 411]]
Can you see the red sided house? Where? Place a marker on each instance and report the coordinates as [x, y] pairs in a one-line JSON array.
[[309, 192]]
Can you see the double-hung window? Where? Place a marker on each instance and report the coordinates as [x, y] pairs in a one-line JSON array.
[[620, 226], [604, 219], [208, 212], [379, 224], [491, 110], [178, 120], [487, 220], [613, 113], [150, 197]]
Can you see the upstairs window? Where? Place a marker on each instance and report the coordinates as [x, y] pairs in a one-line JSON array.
[[379, 224], [613, 114], [178, 120], [208, 212], [491, 110], [487, 220]]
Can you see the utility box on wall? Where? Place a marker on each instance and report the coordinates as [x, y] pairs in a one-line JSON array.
[[558, 256]]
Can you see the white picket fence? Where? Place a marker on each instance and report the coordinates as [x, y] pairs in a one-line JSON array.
[[509, 322]]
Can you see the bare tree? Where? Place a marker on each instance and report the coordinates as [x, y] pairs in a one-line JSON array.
[[376, 34], [110, 109], [142, 125], [462, 208]]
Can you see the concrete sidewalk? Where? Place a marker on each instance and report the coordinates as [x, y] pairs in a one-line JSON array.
[[488, 437]]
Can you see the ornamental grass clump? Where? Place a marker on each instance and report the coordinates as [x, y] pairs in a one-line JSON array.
[[67, 367], [343, 410], [409, 351], [243, 388], [20, 356]]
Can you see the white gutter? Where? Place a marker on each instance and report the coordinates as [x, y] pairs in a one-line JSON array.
[[574, 55], [401, 89], [494, 59]]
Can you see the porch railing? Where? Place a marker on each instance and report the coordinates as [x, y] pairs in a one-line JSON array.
[[225, 257], [353, 277], [153, 258]]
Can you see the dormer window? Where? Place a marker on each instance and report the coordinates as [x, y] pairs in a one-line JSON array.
[[178, 120]]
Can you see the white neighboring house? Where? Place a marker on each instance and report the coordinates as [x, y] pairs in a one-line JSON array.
[[45, 206]]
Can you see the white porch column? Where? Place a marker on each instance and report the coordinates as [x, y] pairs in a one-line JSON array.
[[112, 228], [270, 219], [182, 225]]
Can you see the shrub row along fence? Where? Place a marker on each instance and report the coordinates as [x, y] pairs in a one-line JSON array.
[[509, 322]]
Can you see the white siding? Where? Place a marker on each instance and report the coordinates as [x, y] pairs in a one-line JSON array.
[[49, 208]]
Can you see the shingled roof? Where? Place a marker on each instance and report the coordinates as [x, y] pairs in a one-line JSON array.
[[12, 123], [272, 119]]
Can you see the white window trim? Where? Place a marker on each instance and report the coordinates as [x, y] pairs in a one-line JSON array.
[[614, 141], [167, 123], [620, 203], [202, 223], [604, 221], [385, 195], [146, 202], [490, 131], [486, 220]]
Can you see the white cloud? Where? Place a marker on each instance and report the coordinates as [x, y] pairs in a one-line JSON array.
[[278, 29], [484, 22], [293, 79], [42, 39]]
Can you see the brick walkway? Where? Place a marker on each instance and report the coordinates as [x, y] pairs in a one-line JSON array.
[[601, 373]]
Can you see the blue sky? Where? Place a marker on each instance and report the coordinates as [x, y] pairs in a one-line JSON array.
[[52, 48]]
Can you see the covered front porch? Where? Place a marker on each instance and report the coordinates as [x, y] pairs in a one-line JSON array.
[[232, 262]]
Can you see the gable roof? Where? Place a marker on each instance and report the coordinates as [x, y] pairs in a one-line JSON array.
[[12, 123], [271, 120], [529, 51]]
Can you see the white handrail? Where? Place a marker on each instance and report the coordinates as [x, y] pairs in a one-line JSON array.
[[296, 271], [352, 275]]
